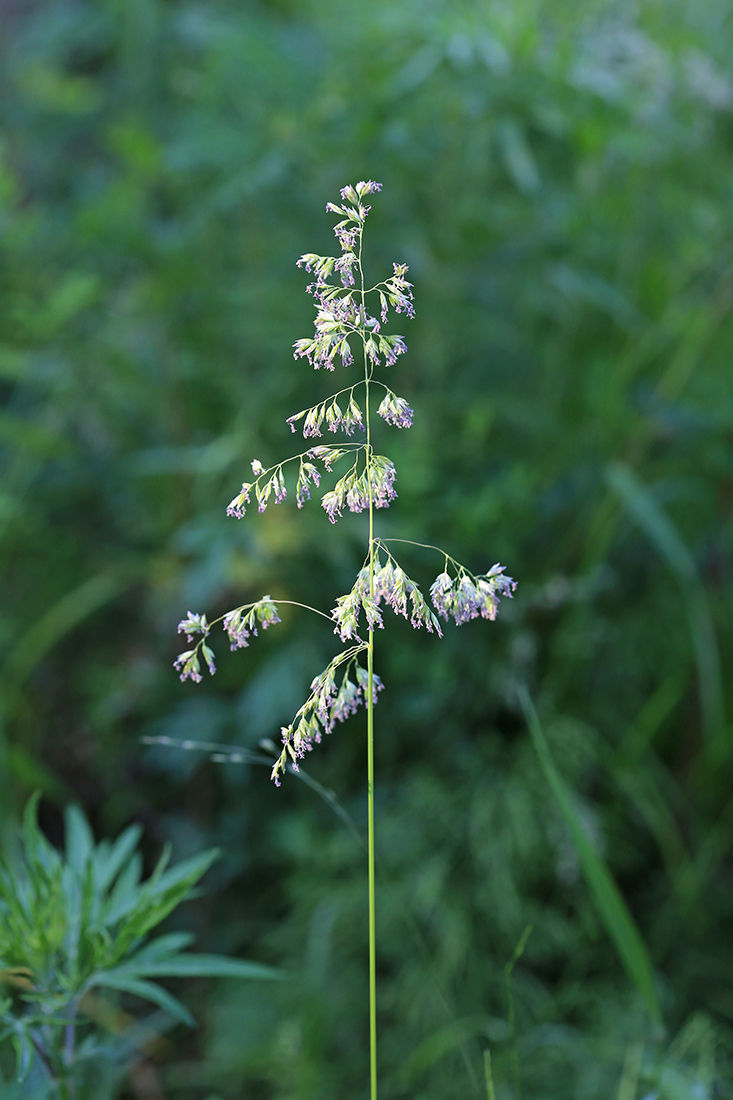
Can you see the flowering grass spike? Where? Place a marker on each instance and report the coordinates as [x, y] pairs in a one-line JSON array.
[[344, 323]]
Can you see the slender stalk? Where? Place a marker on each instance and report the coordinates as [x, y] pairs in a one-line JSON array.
[[370, 739], [53, 1064], [372, 893], [65, 1088], [69, 1050], [44, 1057]]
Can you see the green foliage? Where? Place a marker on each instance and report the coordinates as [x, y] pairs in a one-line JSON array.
[[615, 915], [79, 922]]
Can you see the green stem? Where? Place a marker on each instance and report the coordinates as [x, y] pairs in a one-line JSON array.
[[58, 1072], [372, 894], [370, 742], [44, 1057], [65, 1088]]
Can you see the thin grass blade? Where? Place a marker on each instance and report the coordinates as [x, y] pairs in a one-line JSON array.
[[611, 906]]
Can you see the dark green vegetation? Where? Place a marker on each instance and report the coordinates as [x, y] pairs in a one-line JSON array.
[[76, 924], [558, 177]]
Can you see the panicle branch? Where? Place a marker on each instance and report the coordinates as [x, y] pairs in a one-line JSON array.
[[329, 702], [239, 624], [465, 597], [389, 584]]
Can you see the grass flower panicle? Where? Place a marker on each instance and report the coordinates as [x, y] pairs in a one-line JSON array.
[[343, 321]]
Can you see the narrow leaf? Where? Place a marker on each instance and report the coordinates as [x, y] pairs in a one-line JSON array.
[[109, 863], [79, 839], [611, 906], [647, 513], [183, 875], [126, 892], [159, 949], [210, 966], [148, 991]]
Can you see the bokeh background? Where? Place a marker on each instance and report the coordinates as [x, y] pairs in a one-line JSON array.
[[559, 178]]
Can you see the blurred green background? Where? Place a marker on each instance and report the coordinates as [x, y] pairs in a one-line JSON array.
[[559, 177]]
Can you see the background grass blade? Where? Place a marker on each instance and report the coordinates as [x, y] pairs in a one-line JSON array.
[[612, 908], [651, 519]]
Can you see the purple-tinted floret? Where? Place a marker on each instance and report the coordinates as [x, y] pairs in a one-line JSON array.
[[396, 411], [236, 507], [368, 187], [466, 598], [188, 665], [193, 624]]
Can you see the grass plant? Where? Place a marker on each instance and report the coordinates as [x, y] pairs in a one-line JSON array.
[[343, 300]]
